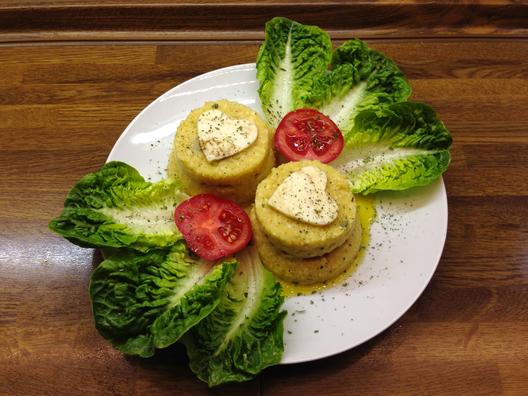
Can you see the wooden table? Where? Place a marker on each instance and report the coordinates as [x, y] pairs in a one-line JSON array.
[[71, 79]]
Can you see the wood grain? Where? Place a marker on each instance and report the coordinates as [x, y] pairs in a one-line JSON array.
[[242, 20], [62, 107]]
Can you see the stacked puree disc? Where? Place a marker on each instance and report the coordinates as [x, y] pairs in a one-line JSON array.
[[302, 251], [234, 176]]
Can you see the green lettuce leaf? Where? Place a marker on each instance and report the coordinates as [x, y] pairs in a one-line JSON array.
[[396, 147], [115, 207], [361, 79], [243, 335], [143, 301], [292, 57]]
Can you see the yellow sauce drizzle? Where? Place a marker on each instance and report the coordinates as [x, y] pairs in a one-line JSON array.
[[366, 213]]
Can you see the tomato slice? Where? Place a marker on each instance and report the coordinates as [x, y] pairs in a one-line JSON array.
[[308, 134], [213, 227]]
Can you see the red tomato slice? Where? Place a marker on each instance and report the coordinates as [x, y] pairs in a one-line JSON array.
[[213, 227], [308, 134]]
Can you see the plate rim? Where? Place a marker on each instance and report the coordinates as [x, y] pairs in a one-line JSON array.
[[167, 93]]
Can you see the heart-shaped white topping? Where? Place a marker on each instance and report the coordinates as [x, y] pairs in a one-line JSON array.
[[302, 196], [221, 136]]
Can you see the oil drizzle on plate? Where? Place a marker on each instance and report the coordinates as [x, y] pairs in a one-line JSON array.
[[366, 213]]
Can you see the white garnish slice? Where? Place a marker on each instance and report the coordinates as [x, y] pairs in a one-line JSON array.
[[303, 196], [221, 136]]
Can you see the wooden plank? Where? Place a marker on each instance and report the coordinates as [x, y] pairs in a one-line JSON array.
[[74, 54], [414, 358], [485, 240], [514, 376], [350, 375], [34, 21], [445, 302]]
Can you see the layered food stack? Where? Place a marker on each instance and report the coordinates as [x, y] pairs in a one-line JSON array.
[[305, 222], [223, 148]]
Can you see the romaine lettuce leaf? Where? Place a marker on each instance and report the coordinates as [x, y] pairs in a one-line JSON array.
[[143, 301], [292, 57], [243, 335], [396, 147], [116, 207], [361, 78]]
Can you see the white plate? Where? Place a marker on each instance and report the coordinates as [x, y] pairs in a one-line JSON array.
[[407, 236]]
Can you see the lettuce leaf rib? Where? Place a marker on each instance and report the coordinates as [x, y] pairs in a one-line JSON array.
[[115, 207], [361, 78], [145, 301], [289, 62], [243, 335], [397, 147]]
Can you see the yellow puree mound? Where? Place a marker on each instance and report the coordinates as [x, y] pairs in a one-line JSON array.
[[300, 239], [234, 177], [306, 271]]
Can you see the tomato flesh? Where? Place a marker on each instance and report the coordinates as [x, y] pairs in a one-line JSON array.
[[213, 227], [308, 134]]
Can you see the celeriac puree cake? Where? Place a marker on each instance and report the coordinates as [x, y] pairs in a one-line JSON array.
[[223, 148], [305, 222]]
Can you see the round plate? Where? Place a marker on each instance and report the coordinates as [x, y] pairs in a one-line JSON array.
[[407, 236]]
